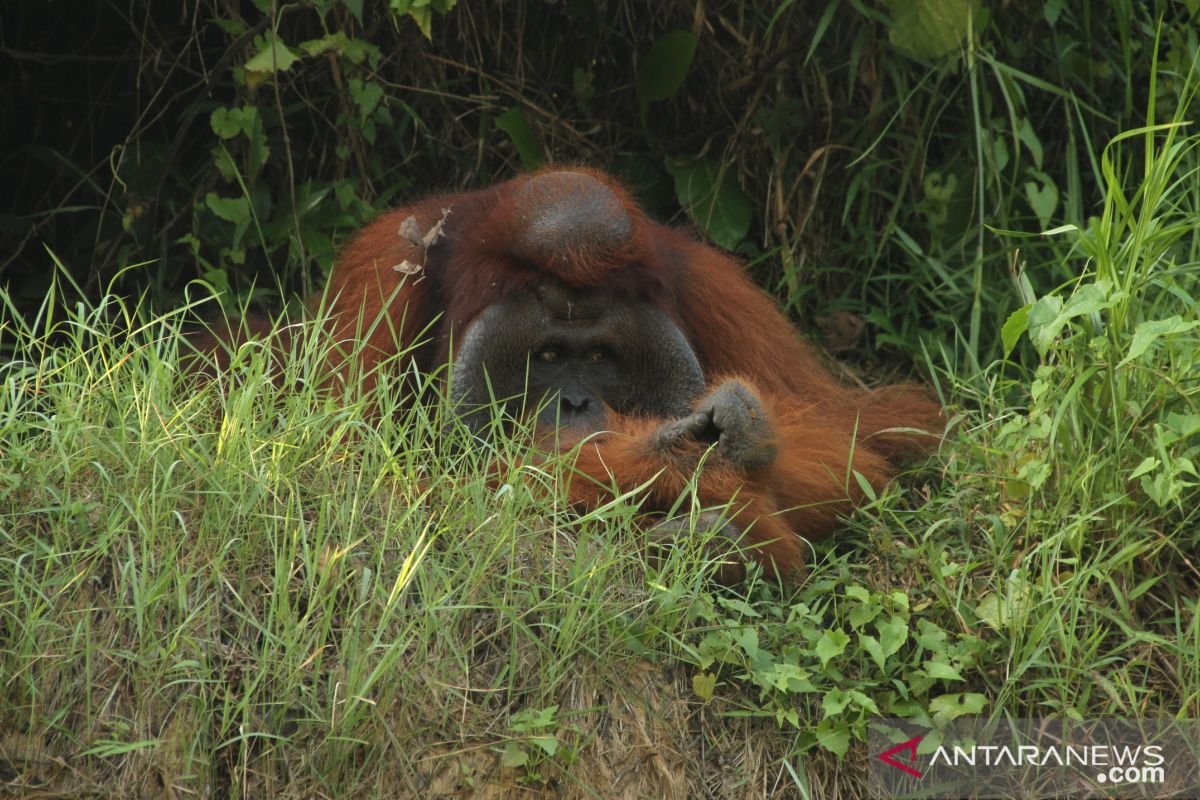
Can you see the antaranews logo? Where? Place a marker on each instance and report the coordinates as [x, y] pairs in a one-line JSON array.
[[1036, 758], [910, 747]]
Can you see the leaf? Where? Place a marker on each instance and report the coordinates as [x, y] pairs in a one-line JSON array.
[[230, 209], [1147, 333], [865, 486], [1029, 138], [435, 230], [950, 707], [872, 646], [334, 41], [1183, 425], [738, 606], [930, 29], [663, 70], [864, 702], [1042, 196], [942, 672], [275, 56], [704, 684], [930, 636], [513, 756], [226, 122], [110, 748], [547, 744], [747, 639], [1149, 464], [513, 123], [1052, 9], [421, 11], [410, 230], [859, 593], [720, 209], [834, 736], [892, 635], [533, 718], [1004, 610], [1016, 324], [1048, 315], [1088, 299], [355, 7], [862, 614], [834, 702], [366, 96], [832, 643]]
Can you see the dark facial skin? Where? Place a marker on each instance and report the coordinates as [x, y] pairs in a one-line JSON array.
[[589, 350]]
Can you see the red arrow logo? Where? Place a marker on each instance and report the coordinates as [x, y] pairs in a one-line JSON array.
[[911, 746]]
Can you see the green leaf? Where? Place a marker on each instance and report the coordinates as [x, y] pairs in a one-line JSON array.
[[663, 70], [1044, 323], [1042, 196], [366, 96], [355, 7], [1088, 299], [930, 29], [942, 672], [110, 748], [872, 646], [747, 639], [1016, 324], [513, 756], [1149, 464], [230, 209], [1028, 137], [704, 684], [738, 606], [834, 702], [950, 707], [275, 56], [859, 593], [862, 614], [1183, 425], [864, 702], [226, 122], [892, 635], [1048, 315], [1147, 333], [865, 486], [513, 123], [1004, 610], [834, 736], [713, 199], [547, 744], [930, 636], [831, 644], [533, 718], [421, 12], [334, 41]]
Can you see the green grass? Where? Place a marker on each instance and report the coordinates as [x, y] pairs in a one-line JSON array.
[[223, 589]]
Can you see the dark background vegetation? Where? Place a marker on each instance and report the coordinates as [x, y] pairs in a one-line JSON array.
[[848, 150]]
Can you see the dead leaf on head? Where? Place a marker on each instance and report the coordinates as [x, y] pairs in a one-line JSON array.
[[435, 232], [411, 230]]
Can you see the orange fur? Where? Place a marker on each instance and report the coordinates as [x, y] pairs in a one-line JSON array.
[[804, 492], [734, 327]]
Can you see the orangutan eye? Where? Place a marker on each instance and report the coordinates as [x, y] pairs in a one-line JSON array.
[[549, 355], [596, 356]]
